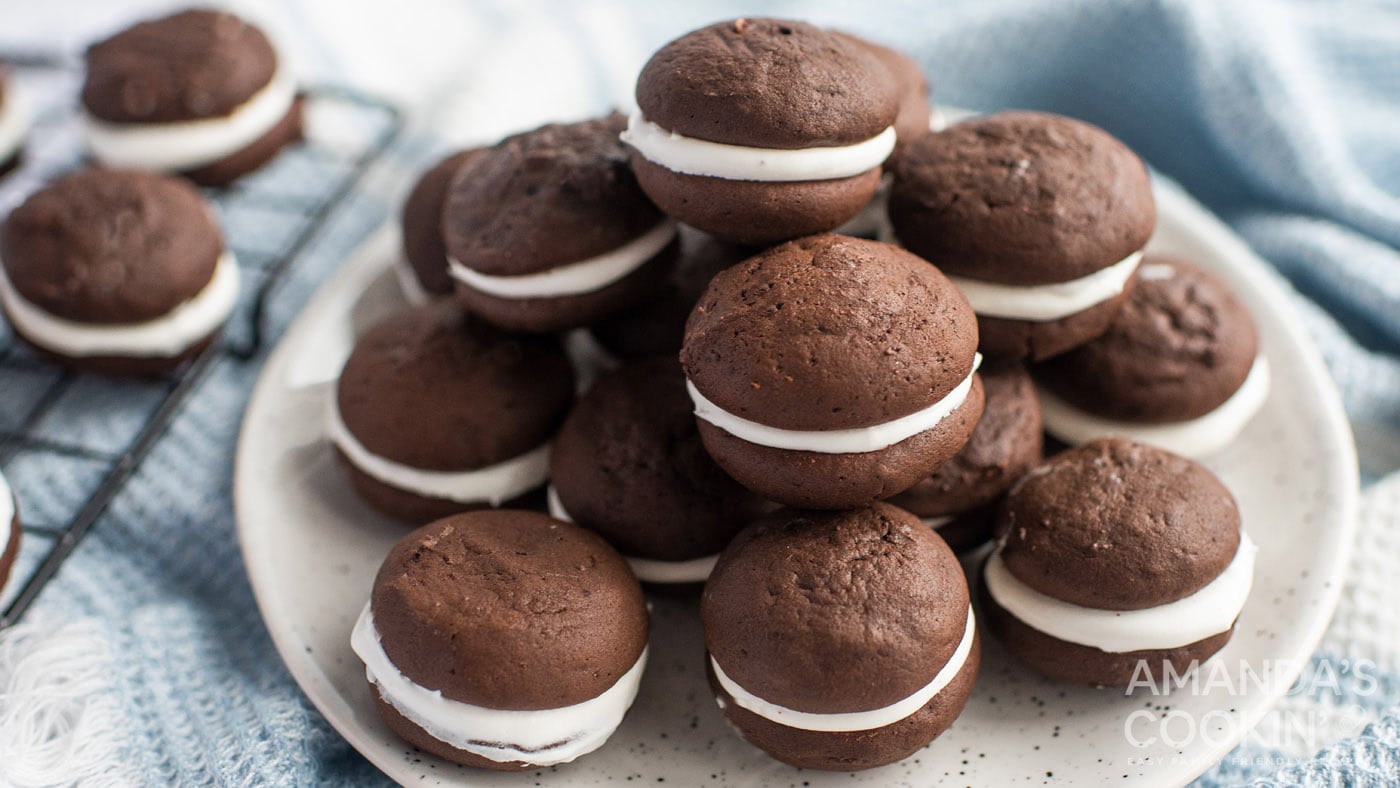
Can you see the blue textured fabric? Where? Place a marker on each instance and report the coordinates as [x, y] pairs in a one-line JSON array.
[[1281, 116]]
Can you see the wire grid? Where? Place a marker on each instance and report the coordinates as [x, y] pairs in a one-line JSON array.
[[77, 437]]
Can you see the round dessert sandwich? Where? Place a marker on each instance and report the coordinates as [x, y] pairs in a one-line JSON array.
[[831, 372], [657, 326], [9, 530], [1179, 368], [548, 230], [1039, 219], [14, 121], [628, 464], [761, 130], [840, 640], [201, 93], [1117, 563], [422, 272], [960, 499], [116, 271], [437, 412], [503, 640]]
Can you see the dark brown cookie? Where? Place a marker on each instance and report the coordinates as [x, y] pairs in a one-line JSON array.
[[628, 464], [436, 389], [111, 246], [829, 332], [1022, 198], [423, 246], [1180, 347], [545, 199], [1006, 443], [767, 83], [804, 608], [507, 610], [1079, 664], [1037, 340], [656, 325], [756, 213], [832, 333], [190, 66], [912, 122], [1118, 525]]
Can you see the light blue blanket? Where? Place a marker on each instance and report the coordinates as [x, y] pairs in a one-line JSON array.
[[1283, 117]]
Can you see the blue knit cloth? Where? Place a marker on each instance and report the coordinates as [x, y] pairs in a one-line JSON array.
[[1283, 117]]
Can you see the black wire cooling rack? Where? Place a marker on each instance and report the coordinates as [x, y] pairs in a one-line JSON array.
[[81, 436]]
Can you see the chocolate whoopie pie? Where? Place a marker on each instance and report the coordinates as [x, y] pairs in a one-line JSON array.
[[830, 372], [1178, 368], [548, 230], [960, 499], [762, 130], [1117, 562], [628, 464], [1039, 219], [14, 121], [503, 640], [840, 640], [202, 93], [437, 412], [9, 530], [115, 271], [423, 273]]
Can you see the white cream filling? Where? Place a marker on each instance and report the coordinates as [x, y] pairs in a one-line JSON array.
[[936, 120], [584, 276], [543, 737], [163, 337], [1195, 438], [856, 440], [1041, 303], [14, 120], [7, 512], [1209, 611], [187, 145], [492, 484], [648, 570], [409, 285], [691, 156], [853, 720]]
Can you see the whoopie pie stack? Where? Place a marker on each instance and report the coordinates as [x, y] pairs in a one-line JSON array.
[[812, 425]]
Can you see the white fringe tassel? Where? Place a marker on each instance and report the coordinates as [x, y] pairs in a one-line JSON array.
[[59, 717]]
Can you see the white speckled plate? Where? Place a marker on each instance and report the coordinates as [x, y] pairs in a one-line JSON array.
[[312, 550]]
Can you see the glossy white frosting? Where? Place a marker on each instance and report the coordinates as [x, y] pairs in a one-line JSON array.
[[14, 120], [1195, 438], [190, 144], [853, 720], [543, 737], [492, 484], [584, 276], [848, 441], [163, 337], [691, 156], [1042, 303], [1209, 611], [649, 570]]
